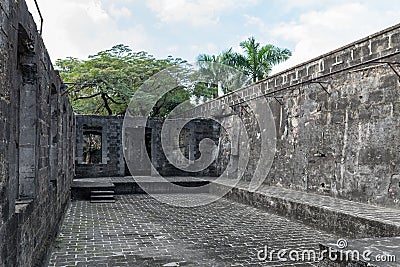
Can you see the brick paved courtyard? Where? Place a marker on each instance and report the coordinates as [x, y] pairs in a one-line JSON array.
[[139, 231]]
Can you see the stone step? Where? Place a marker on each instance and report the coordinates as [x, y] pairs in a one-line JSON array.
[[102, 197], [111, 192], [103, 201], [83, 189]]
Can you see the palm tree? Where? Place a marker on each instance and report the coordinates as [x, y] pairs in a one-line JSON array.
[[223, 70], [212, 70], [257, 61], [227, 57]]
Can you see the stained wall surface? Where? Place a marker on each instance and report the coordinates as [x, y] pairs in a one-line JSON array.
[[110, 158], [36, 139], [337, 122], [143, 147]]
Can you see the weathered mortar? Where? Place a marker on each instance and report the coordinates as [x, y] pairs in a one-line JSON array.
[[336, 137], [112, 152], [197, 130], [336, 121], [344, 144], [37, 122], [112, 157]]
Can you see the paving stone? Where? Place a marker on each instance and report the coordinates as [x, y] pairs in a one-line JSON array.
[[137, 230]]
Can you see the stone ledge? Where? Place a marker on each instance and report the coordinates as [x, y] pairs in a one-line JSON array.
[[371, 49], [82, 187], [342, 217]]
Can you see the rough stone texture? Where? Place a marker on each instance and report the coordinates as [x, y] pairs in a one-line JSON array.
[[339, 216], [344, 144], [112, 163], [336, 117], [339, 137], [197, 130], [36, 137], [139, 231], [113, 160]]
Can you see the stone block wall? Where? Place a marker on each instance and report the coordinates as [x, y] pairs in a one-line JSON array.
[[111, 160], [36, 137], [337, 122], [344, 144], [189, 144]]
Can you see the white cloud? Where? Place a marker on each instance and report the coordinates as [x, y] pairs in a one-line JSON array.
[[117, 12], [319, 32], [290, 4], [196, 12], [80, 28], [252, 20]]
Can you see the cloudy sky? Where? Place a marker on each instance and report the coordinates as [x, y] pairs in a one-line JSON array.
[[186, 28]]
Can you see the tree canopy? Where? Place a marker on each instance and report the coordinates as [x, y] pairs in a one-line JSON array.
[[104, 83]]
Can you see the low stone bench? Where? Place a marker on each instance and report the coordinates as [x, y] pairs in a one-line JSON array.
[[367, 227], [342, 217]]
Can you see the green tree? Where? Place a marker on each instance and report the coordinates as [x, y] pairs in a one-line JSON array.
[[256, 62], [222, 72], [104, 83]]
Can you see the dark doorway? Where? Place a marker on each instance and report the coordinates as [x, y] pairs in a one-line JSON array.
[[92, 147]]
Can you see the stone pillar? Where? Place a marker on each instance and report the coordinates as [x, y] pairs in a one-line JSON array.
[[27, 130], [54, 137], [28, 142]]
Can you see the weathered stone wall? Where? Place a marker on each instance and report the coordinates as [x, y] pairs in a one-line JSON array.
[[112, 158], [36, 137], [112, 161], [189, 144], [337, 122], [345, 144]]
